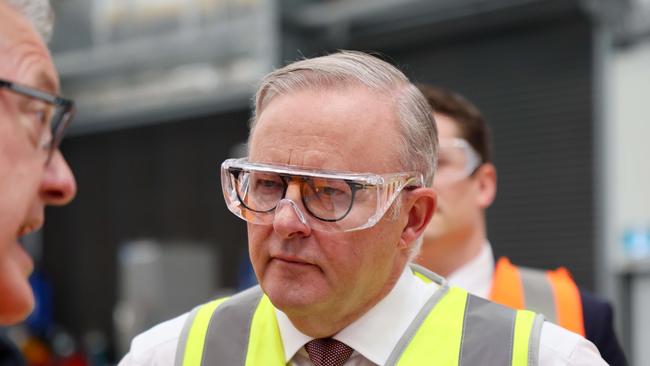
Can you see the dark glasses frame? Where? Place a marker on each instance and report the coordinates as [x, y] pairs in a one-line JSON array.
[[64, 112]]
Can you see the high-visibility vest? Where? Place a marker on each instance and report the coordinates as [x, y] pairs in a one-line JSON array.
[[551, 293], [453, 328]]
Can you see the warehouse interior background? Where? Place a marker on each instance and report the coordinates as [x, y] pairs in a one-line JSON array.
[[164, 90]]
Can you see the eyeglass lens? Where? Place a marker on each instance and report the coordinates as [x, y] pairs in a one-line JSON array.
[[326, 199], [45, 122]]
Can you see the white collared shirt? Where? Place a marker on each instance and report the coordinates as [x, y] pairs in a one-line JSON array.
[[476, 275], [372, 336]]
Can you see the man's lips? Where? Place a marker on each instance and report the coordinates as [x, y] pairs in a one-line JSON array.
[[291, 260], [30, 226], [22, 259], [27, 229]]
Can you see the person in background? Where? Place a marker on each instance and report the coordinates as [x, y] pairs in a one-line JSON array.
[[33, 173], [336, 192], [456, 245]]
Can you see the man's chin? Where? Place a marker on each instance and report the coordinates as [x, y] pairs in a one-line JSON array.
[[17, 300], [18, 305], [293, 300]]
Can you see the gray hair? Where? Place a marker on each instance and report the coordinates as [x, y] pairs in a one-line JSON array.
[[38, 12], [419, 145]]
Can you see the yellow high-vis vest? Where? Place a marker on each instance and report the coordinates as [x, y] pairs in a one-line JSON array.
[[452, 328]]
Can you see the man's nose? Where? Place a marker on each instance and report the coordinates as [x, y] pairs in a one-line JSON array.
[[58, 186], [290, 220]]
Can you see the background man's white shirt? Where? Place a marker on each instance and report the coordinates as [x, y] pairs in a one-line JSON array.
[[476, 275]]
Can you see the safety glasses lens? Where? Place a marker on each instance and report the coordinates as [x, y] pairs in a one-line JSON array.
[[327, 199]]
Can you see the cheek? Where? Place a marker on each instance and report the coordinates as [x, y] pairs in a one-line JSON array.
[[21, 163], [254, 241], [338, 255], [451, 195], [258, 246], [19, 192], [374, 248]]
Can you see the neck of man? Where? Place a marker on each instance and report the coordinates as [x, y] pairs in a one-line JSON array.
[[330, 320], [445, 255]]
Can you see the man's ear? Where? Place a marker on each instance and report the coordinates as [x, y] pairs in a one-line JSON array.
[[486, 180], [420, 213]]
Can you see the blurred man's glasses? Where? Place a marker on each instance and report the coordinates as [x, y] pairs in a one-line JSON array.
[[334, 201], [46, 115], [457, 160]]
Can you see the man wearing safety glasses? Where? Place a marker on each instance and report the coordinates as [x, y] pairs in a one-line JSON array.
[[336, 192], [33, 173], [456, 244]]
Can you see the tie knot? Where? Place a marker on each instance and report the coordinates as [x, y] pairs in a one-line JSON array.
[[328, 352]]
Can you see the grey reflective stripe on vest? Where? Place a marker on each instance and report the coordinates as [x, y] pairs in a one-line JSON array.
[[488, 328], [227, 337], [406, 338], [538, 293], [226, 340], [182, 339], [535, 340], [488, 333]]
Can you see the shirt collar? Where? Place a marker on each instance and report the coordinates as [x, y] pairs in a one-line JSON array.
[[371, 335], [476, 275]]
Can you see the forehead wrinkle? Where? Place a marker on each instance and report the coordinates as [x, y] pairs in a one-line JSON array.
[[314, 154], [353, 130], [35, 70], [25, 58]]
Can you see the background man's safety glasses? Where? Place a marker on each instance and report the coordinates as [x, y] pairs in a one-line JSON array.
[[457, 160]]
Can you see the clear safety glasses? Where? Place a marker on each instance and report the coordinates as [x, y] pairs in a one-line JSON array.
[[329, 201], [456, 160]]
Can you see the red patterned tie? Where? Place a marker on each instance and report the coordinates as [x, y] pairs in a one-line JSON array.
[[328, 352]]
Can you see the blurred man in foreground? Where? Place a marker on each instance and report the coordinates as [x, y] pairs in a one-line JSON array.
[[33, 173], [456, 244], [335, 191]]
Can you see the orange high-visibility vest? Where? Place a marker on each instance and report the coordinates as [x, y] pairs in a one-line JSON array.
[[552, 293]]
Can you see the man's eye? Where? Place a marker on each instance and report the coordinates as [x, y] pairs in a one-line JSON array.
[[40, 113], [40, 116], [268, 184], [330, 191]]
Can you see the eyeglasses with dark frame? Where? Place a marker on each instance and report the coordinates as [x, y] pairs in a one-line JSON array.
[[59, 117]]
